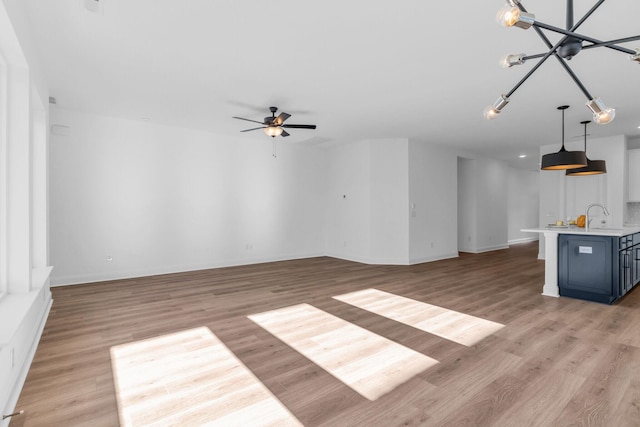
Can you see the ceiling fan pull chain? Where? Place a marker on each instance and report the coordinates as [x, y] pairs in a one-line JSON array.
[[274, 147]]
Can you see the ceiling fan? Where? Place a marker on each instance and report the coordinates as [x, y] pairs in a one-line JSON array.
[[274, 126]]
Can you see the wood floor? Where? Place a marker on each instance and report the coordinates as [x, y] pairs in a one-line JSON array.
[[556, 361]]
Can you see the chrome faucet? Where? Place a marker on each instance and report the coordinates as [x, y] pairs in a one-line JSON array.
[[588, 220]]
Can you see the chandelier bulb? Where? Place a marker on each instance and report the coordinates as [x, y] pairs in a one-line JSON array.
[[509, 61], [602, 114], [510, 15], [493, 111], [490, 112]]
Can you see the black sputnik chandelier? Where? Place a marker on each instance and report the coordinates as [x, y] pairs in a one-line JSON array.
[[513, 14]]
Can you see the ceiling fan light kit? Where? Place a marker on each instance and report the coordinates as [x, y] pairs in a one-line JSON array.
[[513, 14], [563, 159], [273, 131]]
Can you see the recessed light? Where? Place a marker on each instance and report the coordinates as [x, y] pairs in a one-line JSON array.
[[522, 156]]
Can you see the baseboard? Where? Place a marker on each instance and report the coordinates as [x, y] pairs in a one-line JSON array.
[[156, 271], [369, 261], [486, 249], [132, 274], [523, 240], [421, 260]]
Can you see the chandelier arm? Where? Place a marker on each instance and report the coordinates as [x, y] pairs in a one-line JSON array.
[[532, 70], [574, 77], [546, 40], [586, 15], [581, 37], [570, 25], [536, 56], [581, 21], [611, 42]]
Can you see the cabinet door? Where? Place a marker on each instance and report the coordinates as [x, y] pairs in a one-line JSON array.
[[635, 265], [634, 175], [585, 264], [625, 271]]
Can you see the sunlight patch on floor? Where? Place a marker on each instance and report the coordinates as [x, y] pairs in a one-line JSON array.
[[452, 325], [368, 363], [190, 378]]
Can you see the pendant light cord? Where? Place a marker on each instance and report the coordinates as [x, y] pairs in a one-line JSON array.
[[562, 128], [562, 108]]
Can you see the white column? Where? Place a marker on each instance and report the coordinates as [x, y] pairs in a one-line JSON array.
[[39, 189], [550, 288], [18, 208]]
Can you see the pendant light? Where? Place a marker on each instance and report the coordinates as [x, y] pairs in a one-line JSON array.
[[594, 167], [563, 159]]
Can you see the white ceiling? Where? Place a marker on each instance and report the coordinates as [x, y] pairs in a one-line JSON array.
[[358, 69]]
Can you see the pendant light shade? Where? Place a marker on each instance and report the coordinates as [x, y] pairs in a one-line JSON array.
[[594, 167], [563, 159]]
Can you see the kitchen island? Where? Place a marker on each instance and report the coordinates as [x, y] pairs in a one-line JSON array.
[[601, 264]]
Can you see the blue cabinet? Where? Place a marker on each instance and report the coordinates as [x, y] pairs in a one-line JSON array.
[[598, 268]]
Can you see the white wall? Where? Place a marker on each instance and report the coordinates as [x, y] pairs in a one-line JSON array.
[[391, 201], [492, 211], [467, 206], [389, 192], [157, 199], [485, 183], [347, 201], [367, 198], [522, 204], [433, 203]]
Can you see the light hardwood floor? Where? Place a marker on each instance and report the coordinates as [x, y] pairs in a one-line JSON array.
[[556, 362]]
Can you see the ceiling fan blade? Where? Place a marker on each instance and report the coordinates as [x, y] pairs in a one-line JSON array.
[[247, 130], [284, 133], [248, 120], [299, 126], [281, 118]]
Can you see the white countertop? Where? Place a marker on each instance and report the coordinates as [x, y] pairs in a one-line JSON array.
[[614, 232]]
